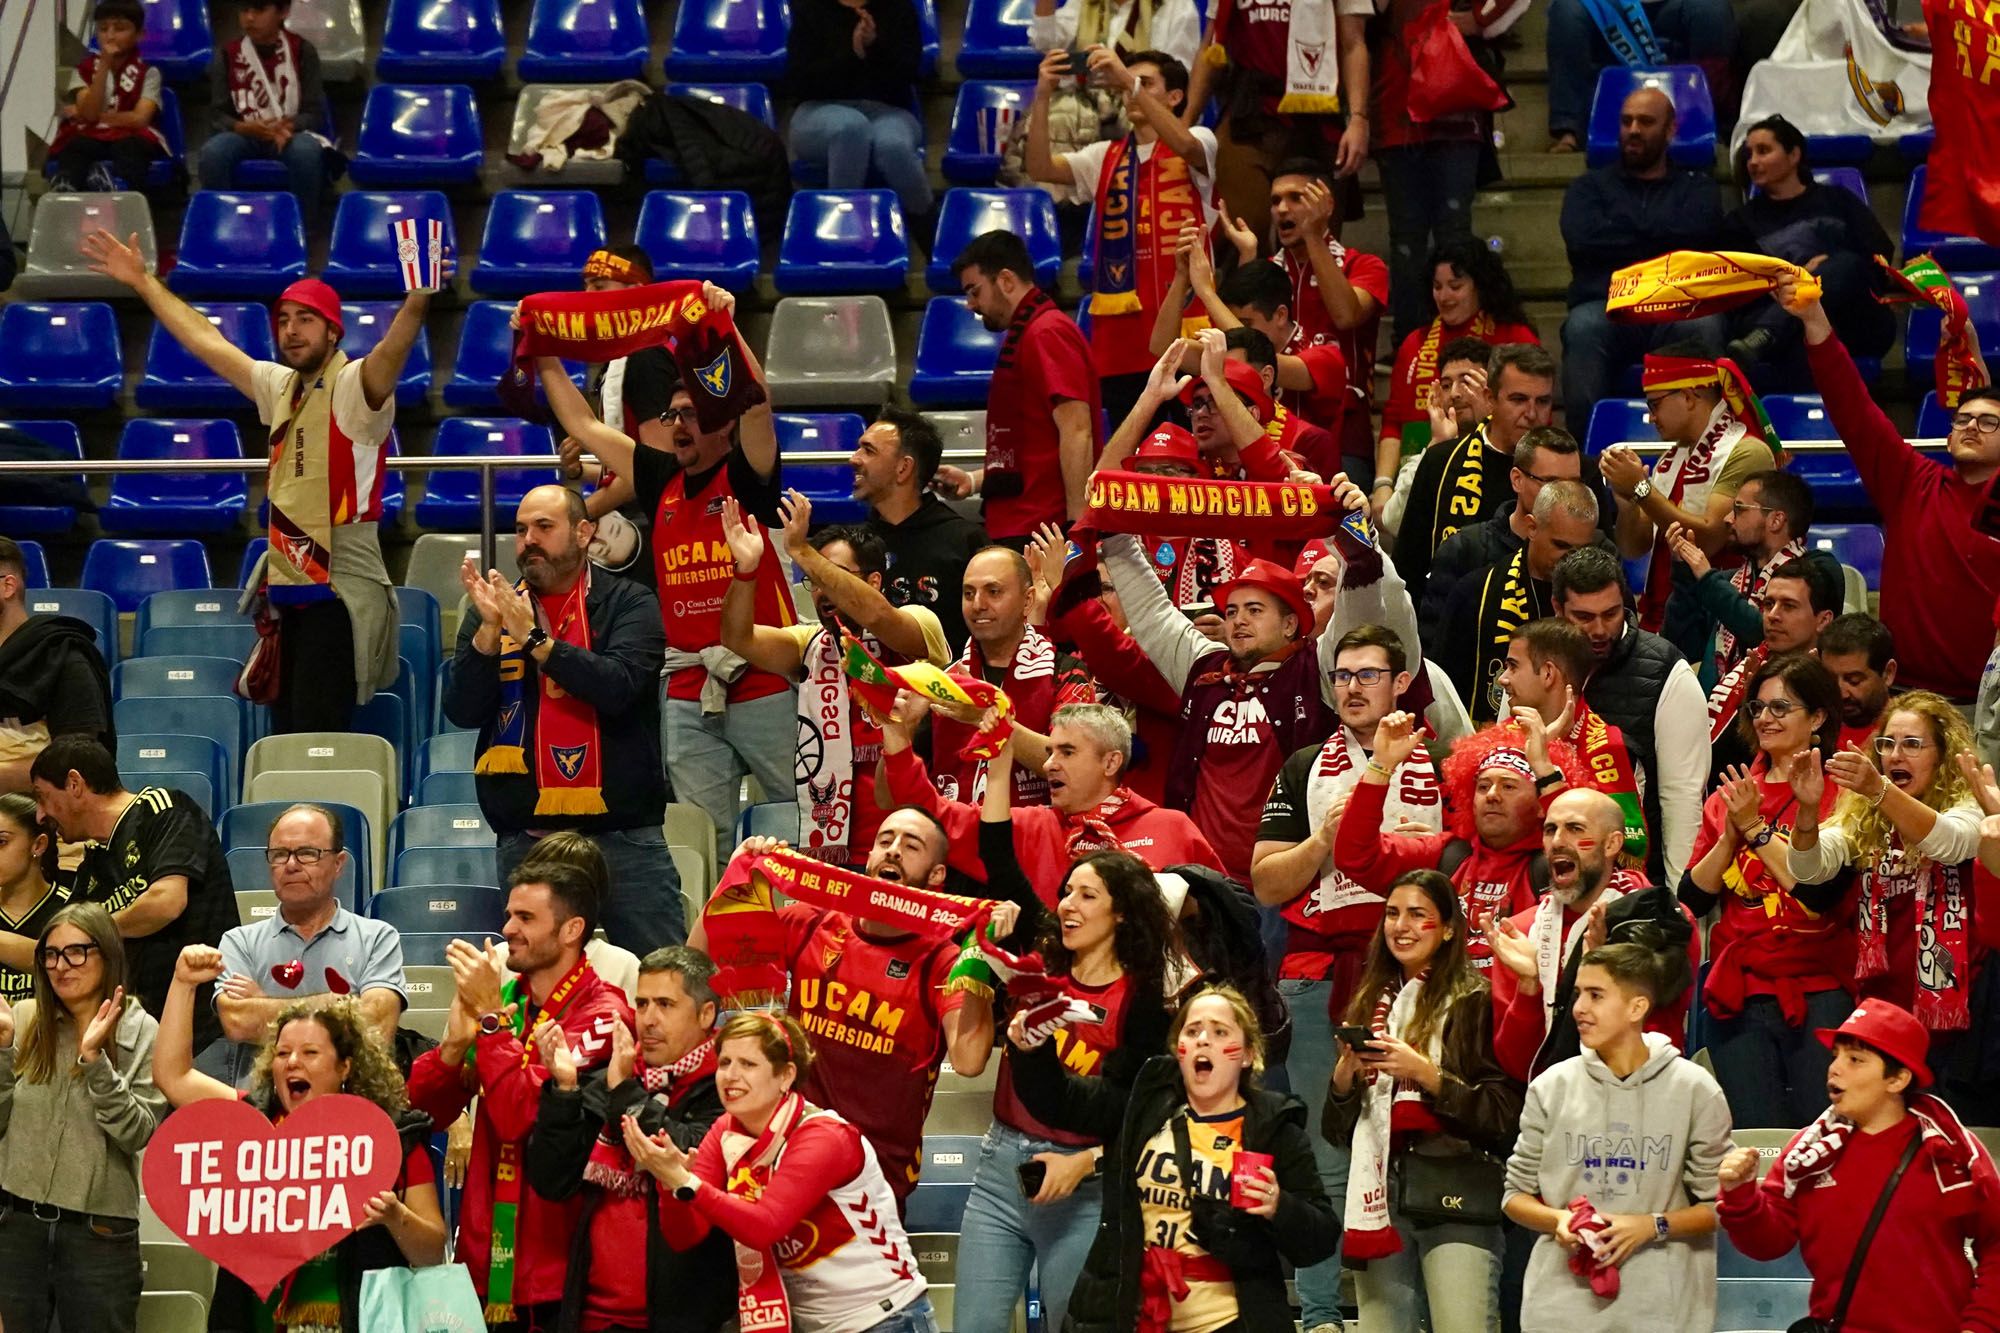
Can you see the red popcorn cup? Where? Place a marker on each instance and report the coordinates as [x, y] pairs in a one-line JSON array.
[[420, 253], [1249, 1166]]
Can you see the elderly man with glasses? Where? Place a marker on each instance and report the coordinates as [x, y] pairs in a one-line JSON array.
[[310, 946]]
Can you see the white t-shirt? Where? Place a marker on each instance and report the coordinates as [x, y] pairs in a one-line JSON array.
[[1176, 27], [1085, 163], [365, 427]]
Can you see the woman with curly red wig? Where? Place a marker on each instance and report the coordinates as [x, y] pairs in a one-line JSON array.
[[1497, 783]]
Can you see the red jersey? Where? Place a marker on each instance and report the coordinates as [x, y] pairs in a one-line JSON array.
[[1366, 273], [1043, 361], [1166, 200], [1082, 1047], [1325, 404], [874, 1009], [694, 567]]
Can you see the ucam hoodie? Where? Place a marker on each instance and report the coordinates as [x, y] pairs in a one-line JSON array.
[[1648, 1143]]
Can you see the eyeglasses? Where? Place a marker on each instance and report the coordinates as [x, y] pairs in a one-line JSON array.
[[1654, 403], [1886, 745], [305, 856], [673, 416], [1986, 422], [1540, 480], [1367, 676], [1204, 403], [1742, 506], [1779, 709], [70, 955]]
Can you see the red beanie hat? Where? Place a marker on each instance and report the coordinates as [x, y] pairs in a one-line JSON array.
[[315, 296]]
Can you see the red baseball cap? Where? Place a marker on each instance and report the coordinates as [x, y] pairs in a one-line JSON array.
[[1890, 1029], [1311, 554], [1274, 578], [315, 296], [1169, 443], [1243, 378]]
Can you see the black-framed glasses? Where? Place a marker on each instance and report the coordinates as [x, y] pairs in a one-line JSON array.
[[674, 416], [69, 955], [1653, 403], [1366, 676], [1985, 423], [1779, 709], [1888, 745], [305, 856]]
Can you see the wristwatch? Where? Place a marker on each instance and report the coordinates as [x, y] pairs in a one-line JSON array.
[[491, 1023], [685, 1193], [536, 638], [1660, 1226], [1762, 838], [1643, 489]]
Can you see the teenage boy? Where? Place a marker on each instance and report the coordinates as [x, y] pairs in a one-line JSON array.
[[1819, 1193], [1616, 1166]]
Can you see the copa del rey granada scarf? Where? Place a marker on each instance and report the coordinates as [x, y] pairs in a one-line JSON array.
[[1957, 1159], [1312, 64], [603, 326], [1415, 794], [568, 747], [1943, 898], [1388, 1107]]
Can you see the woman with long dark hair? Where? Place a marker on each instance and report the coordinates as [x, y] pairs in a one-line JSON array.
[[29, 895], [1428, 1090], [77, 1103], [1193, 1236], [315, 1047], [1781, 952]]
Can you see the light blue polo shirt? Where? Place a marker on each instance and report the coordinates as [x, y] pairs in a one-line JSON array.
[[351, 956]]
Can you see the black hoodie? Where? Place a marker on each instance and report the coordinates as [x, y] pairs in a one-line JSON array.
[[52, 672], [928, 552]]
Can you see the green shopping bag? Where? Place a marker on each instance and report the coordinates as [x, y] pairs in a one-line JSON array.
[[439, 1299]]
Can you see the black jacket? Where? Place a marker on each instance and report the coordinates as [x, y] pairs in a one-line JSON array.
[[619, 677], [1472, 549], [823, 66], [235, 1307], [1305, 1230], [715, 148], [52, 672], [1476, 1099], [692, 1291], [928, 552], [1625, 690]]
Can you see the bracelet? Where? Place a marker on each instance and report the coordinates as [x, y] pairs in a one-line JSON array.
[[1880, 794], [751, 577], [1378, 770], [1383, 482]]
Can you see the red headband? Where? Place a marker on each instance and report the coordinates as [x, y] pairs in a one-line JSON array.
[[1678, 372]]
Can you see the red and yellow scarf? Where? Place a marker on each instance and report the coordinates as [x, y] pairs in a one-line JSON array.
[[1205, 507], [1959, 363], [569, 748], [1610, 767], [1141, 208]]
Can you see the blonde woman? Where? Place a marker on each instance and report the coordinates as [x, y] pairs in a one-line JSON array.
[[77, 1103]]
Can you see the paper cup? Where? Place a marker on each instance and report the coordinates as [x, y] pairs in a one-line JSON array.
[[420, 253], [1247, 1167]]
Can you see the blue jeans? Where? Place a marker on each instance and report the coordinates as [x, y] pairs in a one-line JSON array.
[[708, 754], [1598, 349], [1003, 1234], [1446, 1279], [86, 1274], [642, 910], [1309, 1068], [847, 138], [304, 158], [916, 1317], [1690, 32], [1428, 188], [1774, 1074]]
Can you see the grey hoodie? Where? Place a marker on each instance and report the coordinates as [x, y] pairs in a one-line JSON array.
[[1649, 1143]]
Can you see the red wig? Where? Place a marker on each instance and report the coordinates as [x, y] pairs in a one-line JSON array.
[[1469, 756]]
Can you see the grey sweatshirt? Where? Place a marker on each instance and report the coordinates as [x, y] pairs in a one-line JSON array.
[[74, 1141], [1649, 1143]]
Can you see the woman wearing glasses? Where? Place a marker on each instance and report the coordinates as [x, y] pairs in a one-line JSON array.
[[1781, 950], [77, 1103], [1907, 822]]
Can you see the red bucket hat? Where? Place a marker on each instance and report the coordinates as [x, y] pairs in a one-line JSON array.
[[1274, 578], [1890, 1029], [315, 296]]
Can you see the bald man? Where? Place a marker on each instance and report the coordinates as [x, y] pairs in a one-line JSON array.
[[1640, 206], [560, 675]]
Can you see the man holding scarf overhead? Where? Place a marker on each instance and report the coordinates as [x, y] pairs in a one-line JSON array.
[[328, 417], [557, 674]]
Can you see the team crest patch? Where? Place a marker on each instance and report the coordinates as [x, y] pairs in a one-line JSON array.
[[1312, 55], [569, 759], [1881, 100], [899, 968], [714, 376]]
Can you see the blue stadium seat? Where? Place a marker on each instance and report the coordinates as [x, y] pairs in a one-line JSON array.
[[239, 245], [177, 39], [936, 1207], [176, 380], [485, 353], [450, 501], [1799, 416], [418, 136], [441, 908], [441, 39], [448, 788], [1694, 113], [232, 641], [966, 213], [816, 432], [200, 608], [933, 45], [1616, 420], [1982, 299], [422, 624], [1847, 178], [447, 752], [161, 171], [1916, 147], [223, 718], [843, 241], [1836, 486], [92, 607], [585, 41], [537, 241], [129, 571], [955, 356], [269, 173], [361, 257], [1933, 422], [446, 865], [439, 826], [172, 502], [16, 520], [426, 949], [1731, 1262], [253, 551], [774, 819], [1954, 254], [1840, 150], [996, 41], [58, 356], [388, 716], [705, 236], [249, 826], [141, 754], [164, 677], [192, 783], [981, 119], [34, 560], [752, 99], [366, 322], [1856, 544], [730, 39], [1761, 1302]]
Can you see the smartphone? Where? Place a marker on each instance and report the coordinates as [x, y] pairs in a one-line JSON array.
[[1033, 1174], [1079, 64], [1359, 1038]]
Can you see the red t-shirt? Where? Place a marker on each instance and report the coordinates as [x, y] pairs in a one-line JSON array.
[[1366, 273], [874, 1009], [1051, 364], [1325, 404], [1082, 1048]]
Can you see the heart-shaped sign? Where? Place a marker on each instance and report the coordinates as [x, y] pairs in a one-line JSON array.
[[288, 975], [337, 983], [260, 1199]]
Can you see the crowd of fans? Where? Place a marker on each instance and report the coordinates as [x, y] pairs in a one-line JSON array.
[[1386, 879]]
